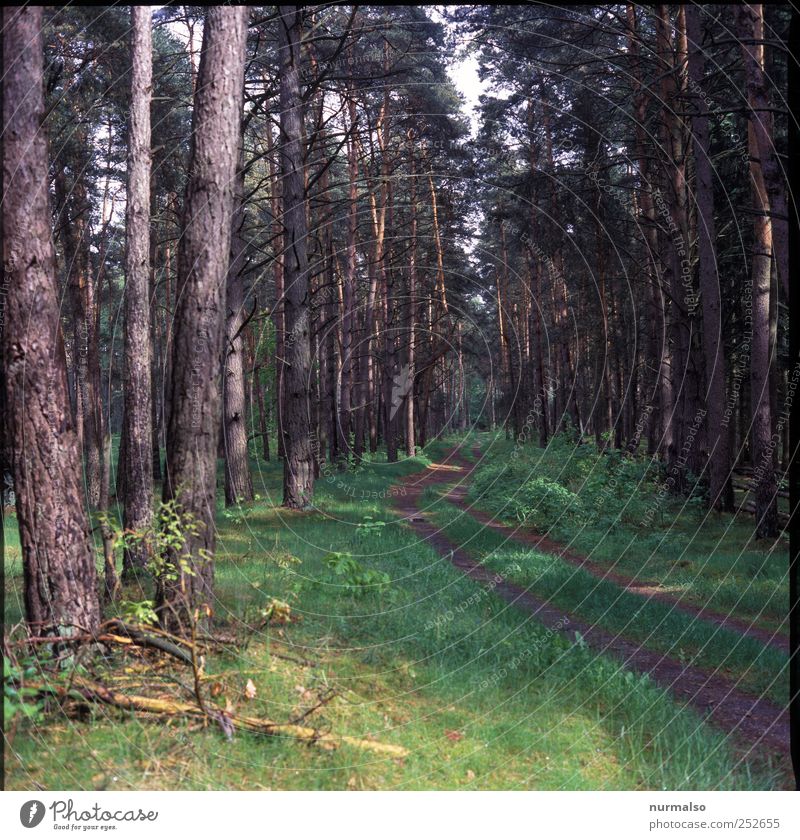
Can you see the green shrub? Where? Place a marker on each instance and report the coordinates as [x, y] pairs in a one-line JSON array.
[[357, 580], [570, 480], [541, 502]]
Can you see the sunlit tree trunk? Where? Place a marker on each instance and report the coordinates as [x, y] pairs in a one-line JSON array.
[[204, 253], [138, 499], [750, 28], [298, 472]]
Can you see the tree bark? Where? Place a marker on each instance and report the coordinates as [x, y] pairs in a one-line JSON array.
[[257, 391], [278, 313], [720, 487], [394, 380], [412, 307], [657, 385], [674, 209], [761, 263], [138, 499], [76, 208], [750, 26], [157, 351], [295, 421], [186, 581], [57, 550], [238, 481], [348, 369]]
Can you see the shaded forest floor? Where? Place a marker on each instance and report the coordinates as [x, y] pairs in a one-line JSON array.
[[385, 639]]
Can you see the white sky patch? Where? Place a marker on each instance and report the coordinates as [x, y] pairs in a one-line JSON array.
[[181, 31], [462, 68], [463, 71]]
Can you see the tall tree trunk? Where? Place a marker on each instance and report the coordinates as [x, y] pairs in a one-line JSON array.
[[93, 410], [238, 481], [412, 307], [258, 396], [157, 351], [203, 257], [65, 196], [395, 381], [138, 500], [657, 385], [348, 375], [166, 372], [558, 280], [328, 340], [57, 551], [794, 441], [508, 351], [675, 213], [111, 579], [750, 28], [761, 263], [720, 486], [76, 205], [278, 313], [298, 468]]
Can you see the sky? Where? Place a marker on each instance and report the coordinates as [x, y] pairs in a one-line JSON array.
[[463, 71]]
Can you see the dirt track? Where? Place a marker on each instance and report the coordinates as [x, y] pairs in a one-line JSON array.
[[756, 723], [646, 589]]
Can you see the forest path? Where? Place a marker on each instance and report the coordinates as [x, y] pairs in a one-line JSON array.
[[649, 590], [753, 721]]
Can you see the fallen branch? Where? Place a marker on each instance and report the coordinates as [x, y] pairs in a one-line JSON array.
[[145, 640], [200, 641], [748, 488], [306, 663], [114, 632], [220, 641], [322, 701], [136, 703]]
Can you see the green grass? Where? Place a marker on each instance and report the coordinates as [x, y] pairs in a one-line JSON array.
[[752, 665], [711, 559], [482, 695]]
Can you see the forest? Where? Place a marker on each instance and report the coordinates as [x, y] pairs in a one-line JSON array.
[[398, 397]]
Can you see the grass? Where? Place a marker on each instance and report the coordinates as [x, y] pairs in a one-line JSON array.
[[482, 695], [713, 559], [749, 663]]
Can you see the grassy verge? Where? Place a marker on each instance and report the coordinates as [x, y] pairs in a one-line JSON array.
[[482, 695], [614, 510], [755, 667]]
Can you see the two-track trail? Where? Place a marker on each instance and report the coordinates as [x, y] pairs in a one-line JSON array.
[[636, 586], [757, 723]]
